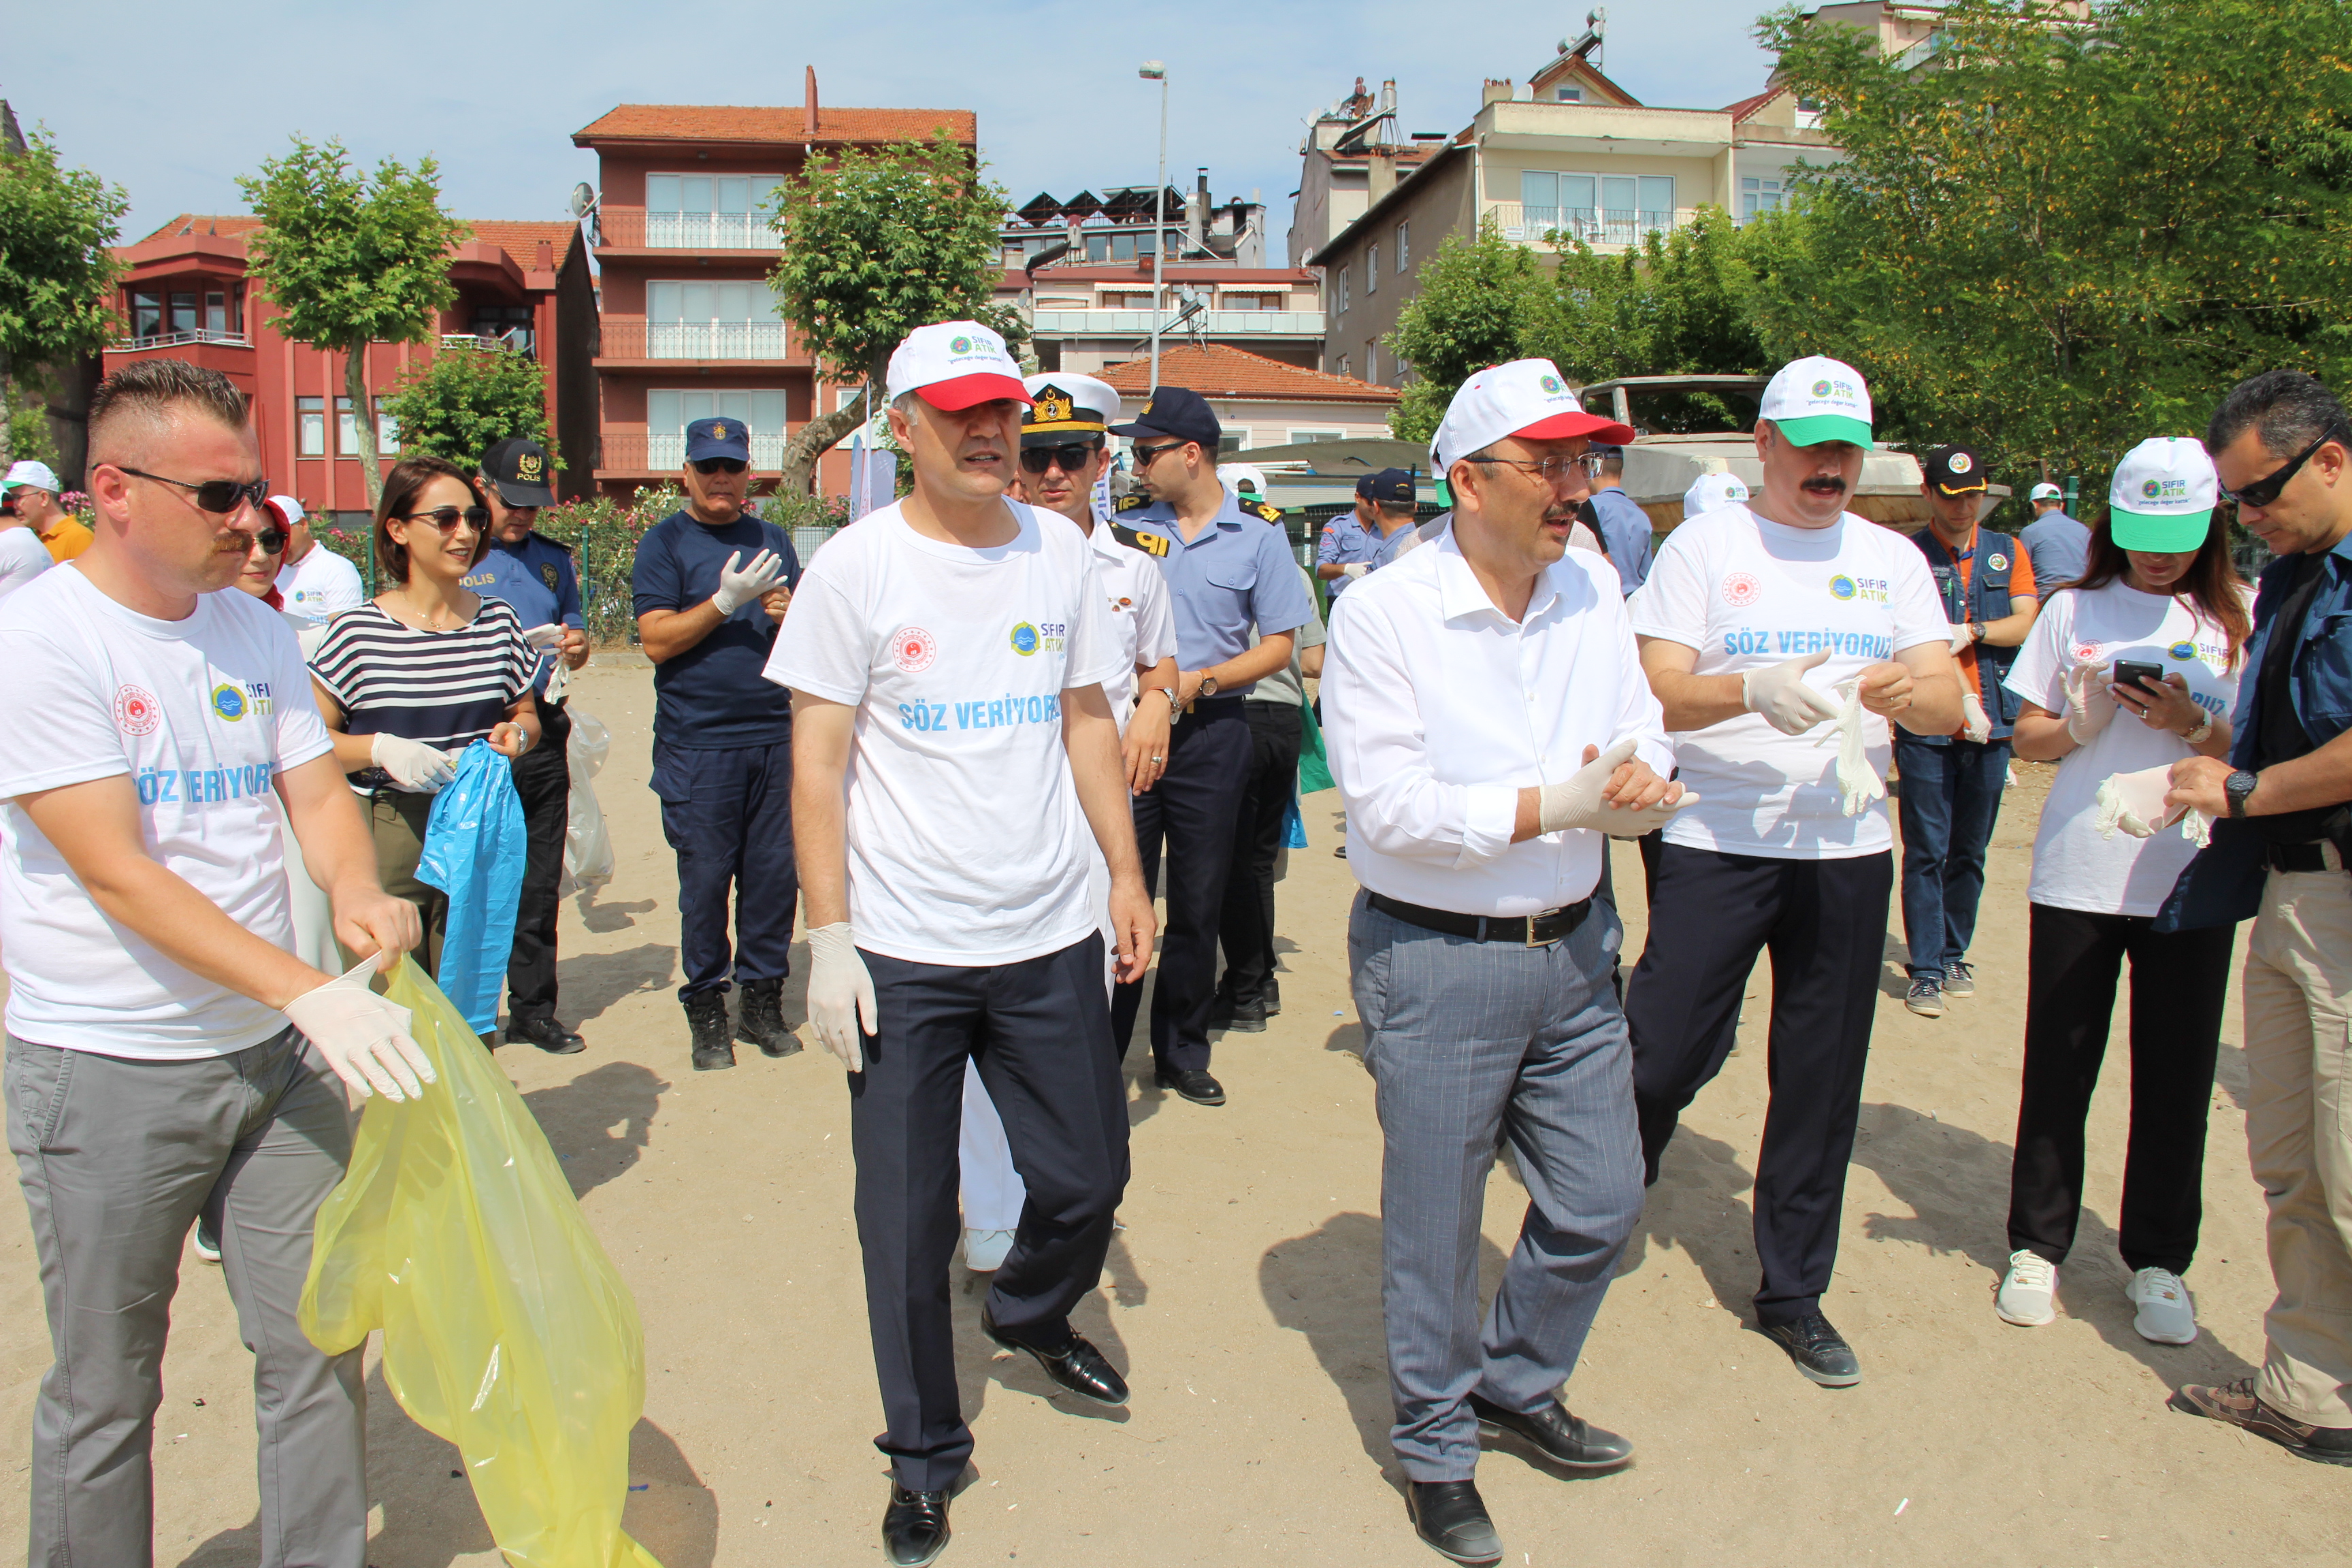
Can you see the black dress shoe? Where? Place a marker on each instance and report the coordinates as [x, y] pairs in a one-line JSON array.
[[1452, 1517], [1076, 1366], [914, 1527], [1569, 1441], [1273, 996], [1192, 1083], [1229, 1013], [546, 1034], [1820, 1351]]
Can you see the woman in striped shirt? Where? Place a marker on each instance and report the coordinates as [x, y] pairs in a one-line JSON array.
[[412, 678]]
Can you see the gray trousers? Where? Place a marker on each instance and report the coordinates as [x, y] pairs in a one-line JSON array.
[[1470, 1044], [117, 1159]]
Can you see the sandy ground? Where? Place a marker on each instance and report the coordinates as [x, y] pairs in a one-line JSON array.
[[1244, 1298]]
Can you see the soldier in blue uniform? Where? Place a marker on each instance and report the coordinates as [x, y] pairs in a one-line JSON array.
[[1227, 571]]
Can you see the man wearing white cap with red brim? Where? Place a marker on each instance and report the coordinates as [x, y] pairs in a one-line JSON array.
[[1784, 635], [1489, 723], [953, 755]]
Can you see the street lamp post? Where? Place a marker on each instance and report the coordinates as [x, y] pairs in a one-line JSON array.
[[1154, 71]]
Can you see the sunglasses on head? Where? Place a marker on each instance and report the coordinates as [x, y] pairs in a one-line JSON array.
[[720, 465], [448, 518], [271, 540], [2265, 490], [1072, 456], [218, 496]]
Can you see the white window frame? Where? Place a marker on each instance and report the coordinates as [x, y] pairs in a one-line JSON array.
[[1403, 247], [1753, 194], [1373, 268], [1593, 224], [1344, 271], [751, 336], [1319, 434], [767, 446], [682, 227]]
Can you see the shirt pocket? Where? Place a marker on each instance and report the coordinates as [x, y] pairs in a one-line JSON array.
[[2327, 676], [1241, 576]]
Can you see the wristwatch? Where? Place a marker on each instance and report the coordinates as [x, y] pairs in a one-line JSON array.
[[1208, 685], [1976, 631], [1174, 706], [2238, 787]]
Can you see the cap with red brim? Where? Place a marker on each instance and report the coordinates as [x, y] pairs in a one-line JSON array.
[[955, 364], [965, 391], [1528, 398]]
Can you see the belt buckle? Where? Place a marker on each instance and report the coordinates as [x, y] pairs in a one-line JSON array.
[[1533, 921]]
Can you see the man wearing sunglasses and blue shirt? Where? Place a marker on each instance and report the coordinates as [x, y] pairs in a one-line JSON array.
[[709, 589]]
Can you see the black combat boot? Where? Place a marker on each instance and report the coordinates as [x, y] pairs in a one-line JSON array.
[[762, 1021], [706, 1015]]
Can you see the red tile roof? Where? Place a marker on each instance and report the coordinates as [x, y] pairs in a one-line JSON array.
[[1216, 370], [720, 122], [204, 223], [518, 240], [1747, 106]]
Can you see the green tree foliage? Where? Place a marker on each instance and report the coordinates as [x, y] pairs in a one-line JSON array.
[[57, 273], [2059, 236], [348, 261], [877, 243], [1478, 302], [465, 399]]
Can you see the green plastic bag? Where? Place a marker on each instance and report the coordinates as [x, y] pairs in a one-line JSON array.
[[1314, 761], [506, 1330]]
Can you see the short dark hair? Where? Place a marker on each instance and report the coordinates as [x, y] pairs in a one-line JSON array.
[[1395, 508], [150, 390], [408, 477], [1612, 462], [2287, 409]]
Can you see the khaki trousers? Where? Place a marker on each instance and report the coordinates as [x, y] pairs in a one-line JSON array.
[[2298, 989]]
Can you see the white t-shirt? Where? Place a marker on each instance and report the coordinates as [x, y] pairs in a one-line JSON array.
[[966, 842], [2074, 867], [320, 586], [23, 557], [202, 714], [1748, 594], [1143, 614]]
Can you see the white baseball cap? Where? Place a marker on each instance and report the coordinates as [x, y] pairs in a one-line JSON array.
[[955, 364], [289, 511], [2162, 495], [1234, 475], [1527, 398], [2045, 490], [1819, 399], [1063, 403], [1713, 492], [29, 472]]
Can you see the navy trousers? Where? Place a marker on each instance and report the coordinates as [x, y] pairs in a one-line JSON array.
[[542, 778], [1951, 798], [729, 816]]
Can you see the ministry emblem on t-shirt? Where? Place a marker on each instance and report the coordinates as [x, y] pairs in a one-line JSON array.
[[136, 709], [913, 649], [1740, 589], [1025, 639], [1997, 562], [2085, 652]]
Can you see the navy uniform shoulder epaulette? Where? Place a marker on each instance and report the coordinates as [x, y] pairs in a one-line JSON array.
[[1130, 501], [567, 549], [1270, 513], [1150, 543]]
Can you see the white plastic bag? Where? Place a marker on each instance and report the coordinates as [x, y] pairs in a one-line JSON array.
[[587, 847]]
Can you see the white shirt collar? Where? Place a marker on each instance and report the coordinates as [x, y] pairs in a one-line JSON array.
[[1460, 593]]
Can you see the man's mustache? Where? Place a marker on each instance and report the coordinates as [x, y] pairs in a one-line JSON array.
[[1825, 482]]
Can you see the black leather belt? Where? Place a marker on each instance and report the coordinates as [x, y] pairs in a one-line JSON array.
[[2309, 857], [1528, 931]]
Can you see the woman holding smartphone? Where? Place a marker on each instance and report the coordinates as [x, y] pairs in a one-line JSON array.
[[2161, 606]]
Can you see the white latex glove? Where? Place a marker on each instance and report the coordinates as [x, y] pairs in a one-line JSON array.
[[2135, 803], [1778, 692], [1576, 801], [737, 589], [840, 995], [1856, 778], [1961, 639], [546, 638], [1974, 725], [412, 764], [1354, 569], [363, 1038], [2089, 705]]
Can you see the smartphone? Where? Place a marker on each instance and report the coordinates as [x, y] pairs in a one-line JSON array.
[[2133, 672]]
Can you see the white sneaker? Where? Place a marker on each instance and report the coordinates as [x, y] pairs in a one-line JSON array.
[[2168, 1313], [984, 1250], [2029, 1295], [207, 1245]]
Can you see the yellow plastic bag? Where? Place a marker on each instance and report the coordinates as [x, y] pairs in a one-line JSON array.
[[506, 1330]]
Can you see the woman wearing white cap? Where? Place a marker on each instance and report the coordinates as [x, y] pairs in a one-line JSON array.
[[2159, 592]]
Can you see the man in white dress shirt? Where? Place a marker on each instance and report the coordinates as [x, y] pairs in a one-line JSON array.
[[1487, 715]]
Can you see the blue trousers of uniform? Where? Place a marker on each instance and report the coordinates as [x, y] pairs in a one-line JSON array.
[[729, 815], [1950, 799]]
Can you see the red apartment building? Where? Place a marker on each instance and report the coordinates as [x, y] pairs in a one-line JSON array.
[[689, 326], [522, 285]]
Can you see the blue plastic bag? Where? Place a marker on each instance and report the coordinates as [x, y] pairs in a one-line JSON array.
[[474, 851], [1294, 826]]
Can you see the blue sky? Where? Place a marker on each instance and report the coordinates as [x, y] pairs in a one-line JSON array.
[[495, 90]]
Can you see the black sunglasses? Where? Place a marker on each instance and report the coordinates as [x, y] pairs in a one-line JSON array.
[[2265, 490], [218, 496], [448, 518], [1072, 456], [719, 466], [1146, 456], [271, 540]]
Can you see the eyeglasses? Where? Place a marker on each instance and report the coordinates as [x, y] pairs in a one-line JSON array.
[[1146, 456], [271, 540], [220, 497], [1552, 471], [2265, 490], [708, 466], [448, 518], [1073, 456]]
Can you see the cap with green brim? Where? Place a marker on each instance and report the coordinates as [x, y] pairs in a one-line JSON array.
[[1819, 399], [2162, 497]]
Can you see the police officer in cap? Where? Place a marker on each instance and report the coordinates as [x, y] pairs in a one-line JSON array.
[[1345, 551], [1390, 495], [709, 589], [1228, 570], [535, 575]]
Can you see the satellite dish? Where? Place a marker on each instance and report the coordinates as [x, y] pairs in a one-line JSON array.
[[583, 197]]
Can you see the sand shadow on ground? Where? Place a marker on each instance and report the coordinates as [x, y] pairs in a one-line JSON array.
[[1700, 1204], [430, 1518], [980, 1361], [605, 919], [2230, 1073], [600, 1122], [1894, 969], [592, 982], [1956, 1183]]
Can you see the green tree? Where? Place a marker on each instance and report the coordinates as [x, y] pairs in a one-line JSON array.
[[1478, 302], [466, 398], [2060, 235], [57, 273], [874, 245], [348, 262]]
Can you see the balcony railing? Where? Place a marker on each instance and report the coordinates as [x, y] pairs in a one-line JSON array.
[[514, 340], [1594, 225], [629, 338], [1212, 324], [180, 340], [633, 452], [637, 228]]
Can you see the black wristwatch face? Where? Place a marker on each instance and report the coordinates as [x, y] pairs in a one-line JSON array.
[[2238, 787]]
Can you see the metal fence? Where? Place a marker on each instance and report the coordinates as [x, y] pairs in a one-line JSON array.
[[638, 228], [691, 339]]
